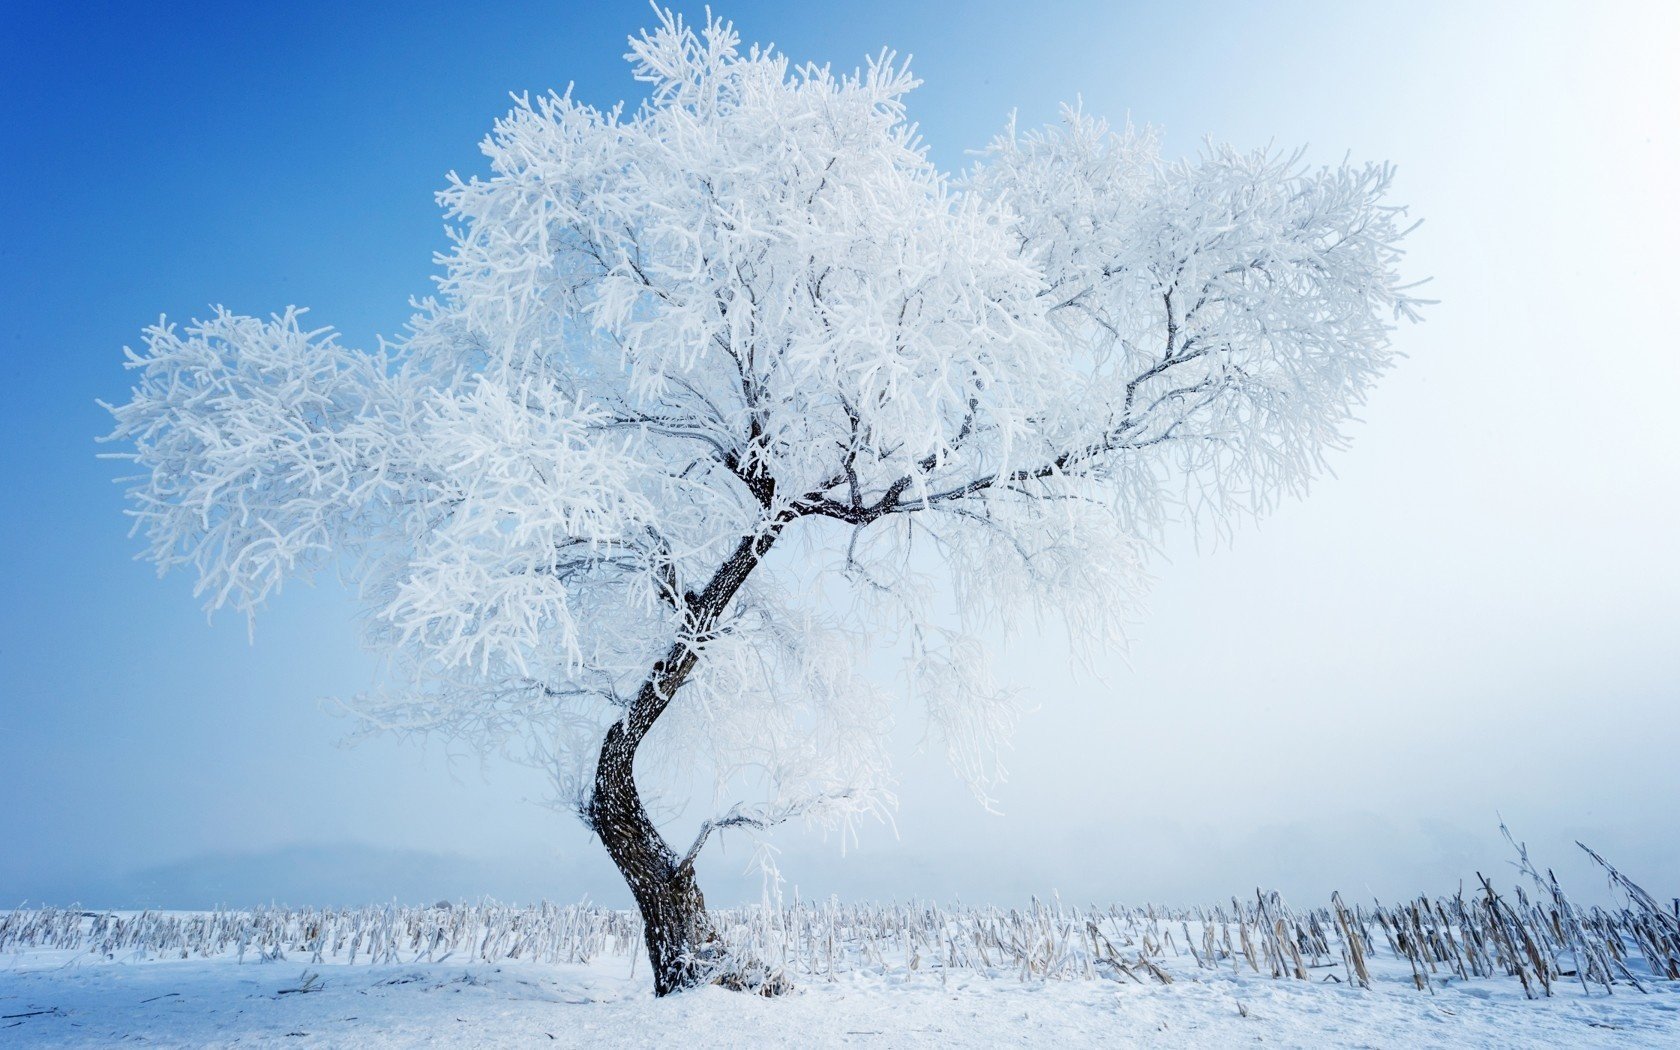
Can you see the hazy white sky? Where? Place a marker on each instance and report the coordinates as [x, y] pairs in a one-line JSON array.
[[1479, 614]]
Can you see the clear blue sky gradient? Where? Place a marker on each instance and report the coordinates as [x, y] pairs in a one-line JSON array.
[[1477, 615]]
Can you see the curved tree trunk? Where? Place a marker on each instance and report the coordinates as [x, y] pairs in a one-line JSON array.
[[673, 911], [679, 935]]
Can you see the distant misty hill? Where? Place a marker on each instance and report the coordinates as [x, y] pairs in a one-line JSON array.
[[1097, 863], [330, 875]]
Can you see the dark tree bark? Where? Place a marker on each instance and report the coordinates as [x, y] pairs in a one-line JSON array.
[[681, 941], [673, 911], [678, 933]]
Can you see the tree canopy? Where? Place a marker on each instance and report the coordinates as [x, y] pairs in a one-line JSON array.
[[710, 388]]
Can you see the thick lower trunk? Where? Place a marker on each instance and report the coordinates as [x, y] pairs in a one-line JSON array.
[[681, 943], [673, 911]]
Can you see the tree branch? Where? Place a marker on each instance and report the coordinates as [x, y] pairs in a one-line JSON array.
[[763, 822]]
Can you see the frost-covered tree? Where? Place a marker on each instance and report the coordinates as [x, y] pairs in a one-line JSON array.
[[708, 389]]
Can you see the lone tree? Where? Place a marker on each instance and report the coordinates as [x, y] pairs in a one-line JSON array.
[[708, 388]]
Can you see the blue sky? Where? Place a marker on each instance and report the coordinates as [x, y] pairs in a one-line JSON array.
[[1477, 614]]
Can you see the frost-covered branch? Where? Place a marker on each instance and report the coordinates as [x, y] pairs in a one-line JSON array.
[[760, 819]]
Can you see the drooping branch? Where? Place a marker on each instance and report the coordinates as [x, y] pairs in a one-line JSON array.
[[762, 820]]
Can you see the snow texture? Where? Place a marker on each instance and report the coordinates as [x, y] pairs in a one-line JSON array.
[[56, 999]]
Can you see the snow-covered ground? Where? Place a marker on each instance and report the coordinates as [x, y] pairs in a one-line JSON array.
[[51, 997]]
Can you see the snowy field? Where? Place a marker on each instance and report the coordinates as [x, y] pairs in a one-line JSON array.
[[1456, 971], [60, 999]]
